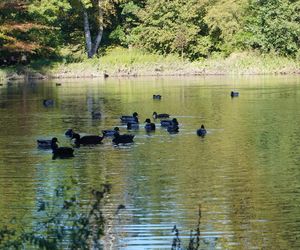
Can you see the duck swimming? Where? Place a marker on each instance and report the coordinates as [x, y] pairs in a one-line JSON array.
[[166, 123], [48, 103], [157, 97], [201, 131], [128, 118], [132, 125], [44, 144], [107, 133], [173, 128], [69, 133], [149, 126], [160, 116], [87, 139], [61, 152], [234, 93], [126, 138]]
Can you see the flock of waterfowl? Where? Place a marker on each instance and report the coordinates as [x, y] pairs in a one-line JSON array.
[[131, 121]]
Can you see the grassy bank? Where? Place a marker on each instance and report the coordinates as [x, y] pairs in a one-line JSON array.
[[125, 62]]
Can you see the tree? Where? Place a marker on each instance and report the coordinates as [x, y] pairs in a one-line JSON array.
[[225, 19], [170, 26], [127, 19], [97, 13], [92, 6], [91, 13], [21, 36], [181, 39], [272, 25], [33, 26]]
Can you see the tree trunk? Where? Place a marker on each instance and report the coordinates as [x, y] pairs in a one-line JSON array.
[[87, 33], [92, 47], [100, 29]]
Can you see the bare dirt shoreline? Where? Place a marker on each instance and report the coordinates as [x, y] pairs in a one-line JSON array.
[[29, 75]]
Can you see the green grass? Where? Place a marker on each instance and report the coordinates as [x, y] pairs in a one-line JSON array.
[[120, 61], [133, 62], [121, 56], [252, 63]]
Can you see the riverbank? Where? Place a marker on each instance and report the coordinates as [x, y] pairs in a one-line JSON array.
[[123, 62]]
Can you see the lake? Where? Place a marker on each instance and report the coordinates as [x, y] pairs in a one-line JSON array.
[[245, 173]]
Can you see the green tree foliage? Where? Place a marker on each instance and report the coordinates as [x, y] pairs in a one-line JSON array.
[[57, 14], [225, 19], [80, 21], [190, 28], [127, 19], [171, 26], [36, 26], [272, 26]]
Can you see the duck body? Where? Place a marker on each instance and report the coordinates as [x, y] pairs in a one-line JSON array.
[[126, 138], [61, 152], [160, 116], [149, 126], [128, 118], [87, 139], [132, 125], [48, 102], [174, 127], [201, 131], [44, 144], [166, 123], [157, 97], [108, 133], [234, 93]]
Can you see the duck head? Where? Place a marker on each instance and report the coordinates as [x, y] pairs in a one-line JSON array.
[[54, 140], [75, 136], [117, 132], [69, 132], [54, 145], [154, 115], [174, 121]]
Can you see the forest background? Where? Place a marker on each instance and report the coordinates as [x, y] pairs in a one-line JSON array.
[[91, 38]]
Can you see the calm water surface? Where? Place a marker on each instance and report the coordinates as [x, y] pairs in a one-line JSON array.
[[245, 173]]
